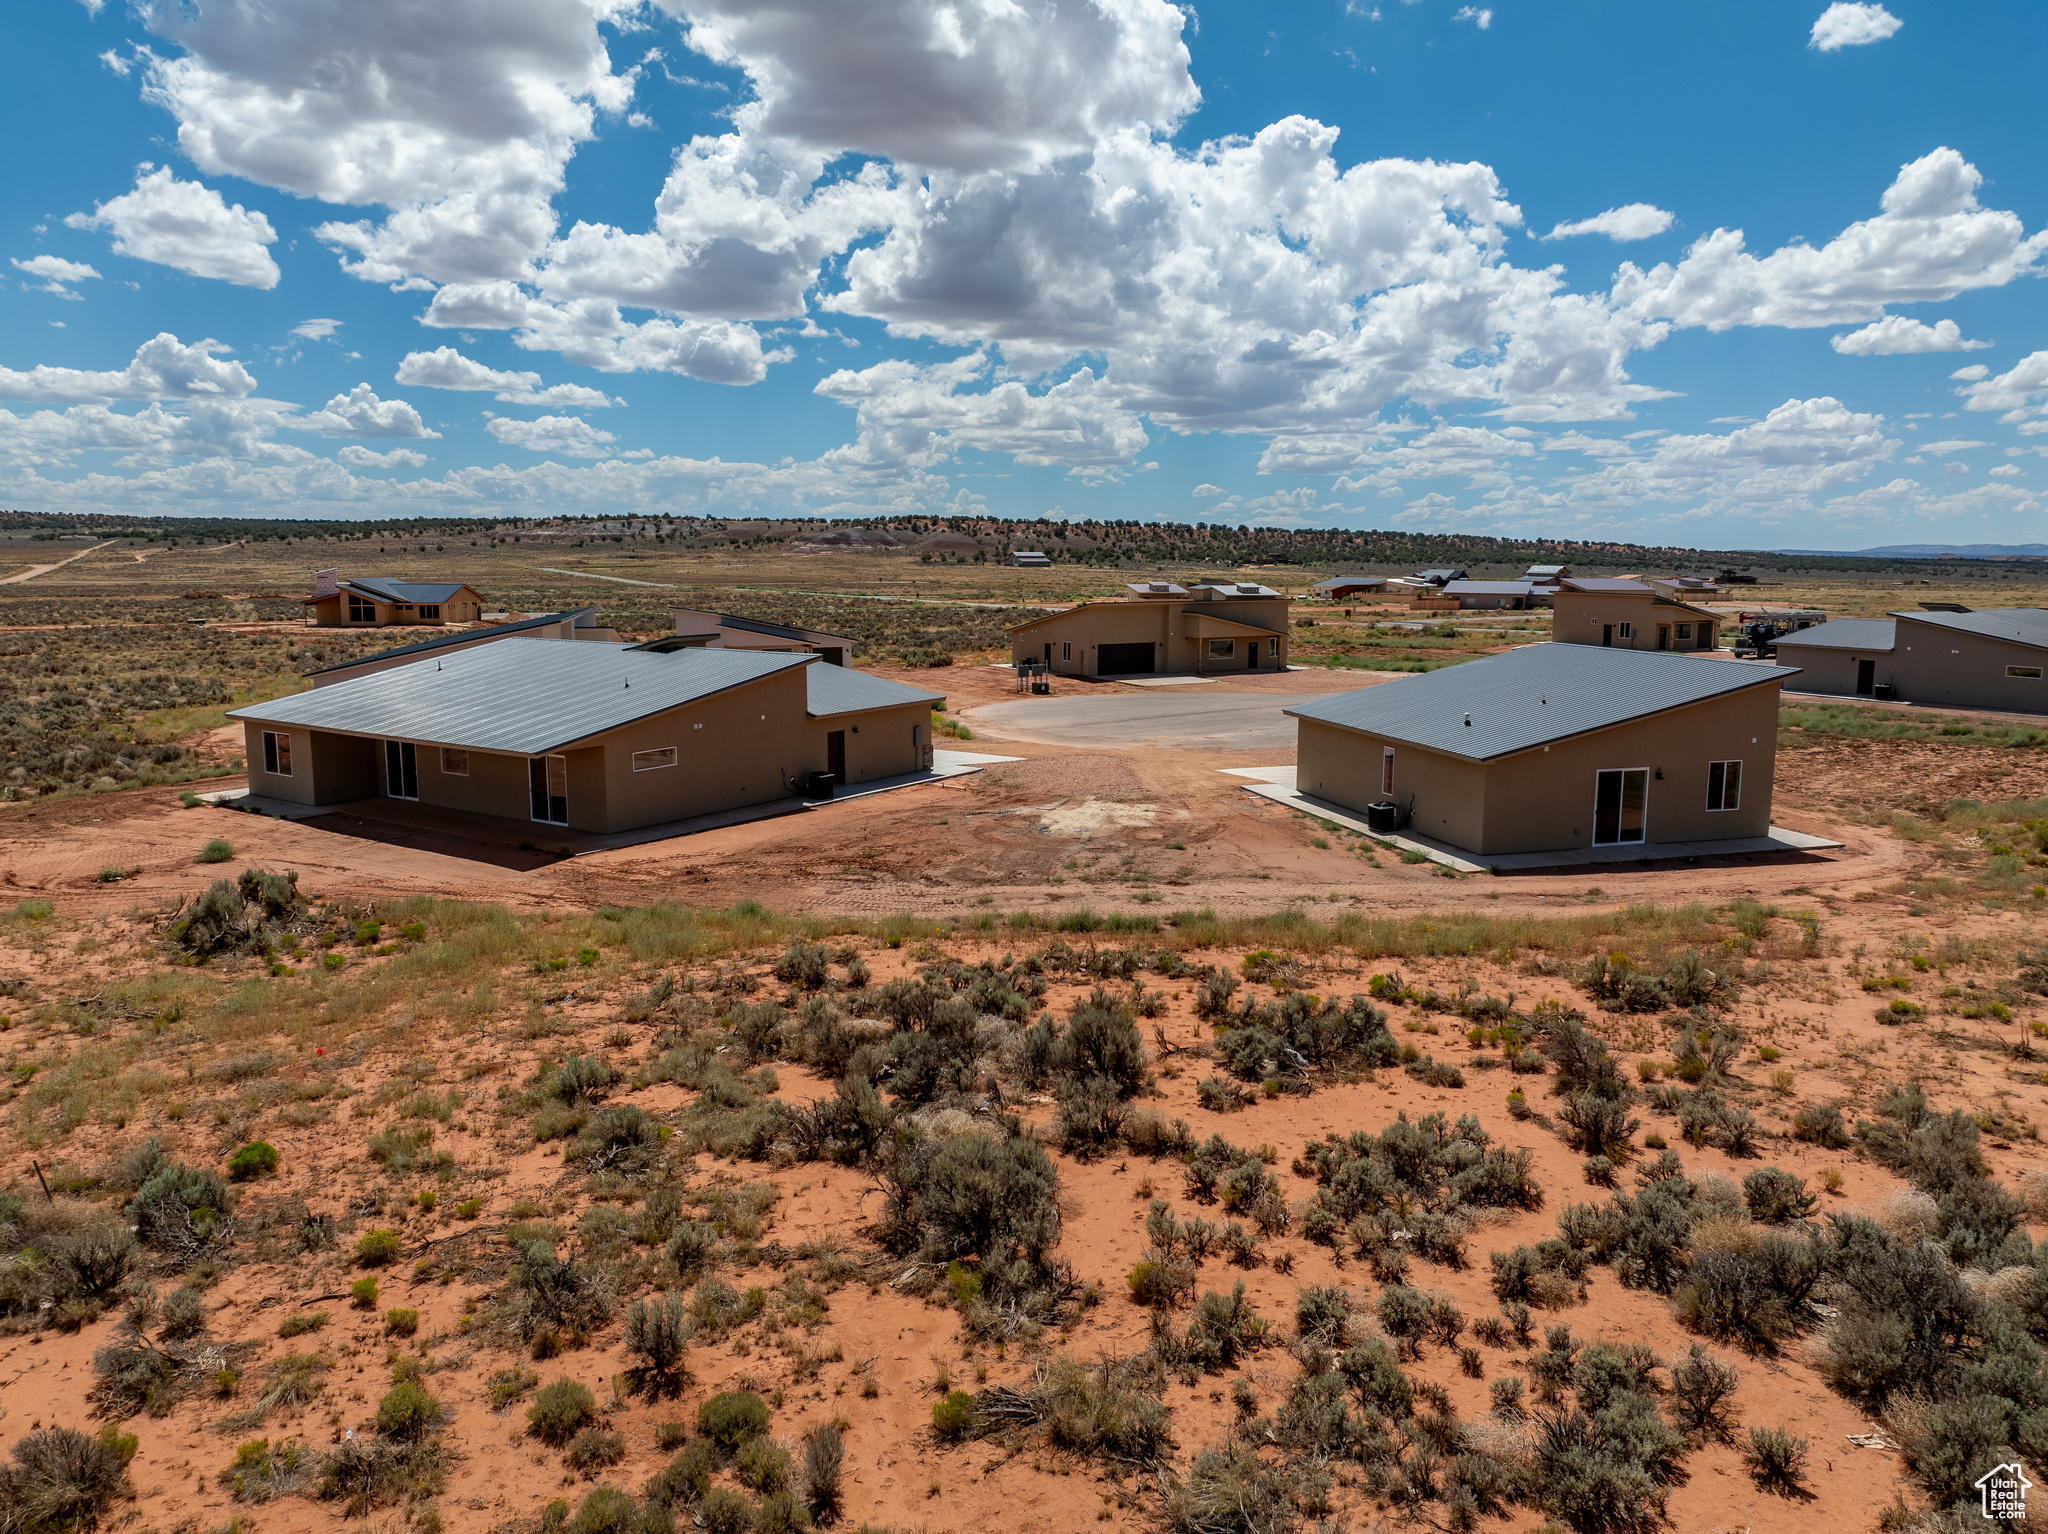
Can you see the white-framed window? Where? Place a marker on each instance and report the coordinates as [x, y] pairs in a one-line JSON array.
[[360, 611], [1724, 785], [2031, 673], [658, 756], [454, 763], [1219, 649], [1627, 631], [277, 754], [1386, 770]]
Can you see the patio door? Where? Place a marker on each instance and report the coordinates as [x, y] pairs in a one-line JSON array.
[[1621, 806], [548, 776], [401, 770]]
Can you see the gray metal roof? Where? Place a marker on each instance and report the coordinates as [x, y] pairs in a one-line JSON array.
[[1612, 585], [1488, 588], [525, 696], [1350, 580], [2021, 625], [402, 591], [838, 690], [460, 637], [1868, 634], [1533, 696]]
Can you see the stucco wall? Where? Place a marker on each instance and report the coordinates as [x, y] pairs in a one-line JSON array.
[[1931, 664], [497, 784], [326, 768], [1577, 617], [736, 748], [1160, 624], [1344, 766], [879, 744], [1832, 671]]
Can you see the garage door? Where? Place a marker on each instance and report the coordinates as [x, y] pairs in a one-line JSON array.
[[1122, 659]]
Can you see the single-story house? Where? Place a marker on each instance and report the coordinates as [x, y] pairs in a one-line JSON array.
[[1549, 573], [1619, 614], [1212, 626], [1439, 577], [1030, 559], [601, 737], [578, 624], [1340, 588], [1493, 594], [1554, 746], [1994, 658], [361, 602], [723, 631]]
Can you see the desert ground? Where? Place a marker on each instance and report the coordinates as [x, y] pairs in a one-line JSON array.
[[956, 1158]]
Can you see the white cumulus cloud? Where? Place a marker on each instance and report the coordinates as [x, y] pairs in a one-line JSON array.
[[1482, 19], [2021, 392], [1851, 24], [316, 330], [360, 413], [1633, 221], [1895, 335], [164, 368], [188, 226], [571, 436], [446, 368], [356, 456], [1930, 242], [56, 272]]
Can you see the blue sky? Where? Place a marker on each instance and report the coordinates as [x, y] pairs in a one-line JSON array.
[[1727, 274]]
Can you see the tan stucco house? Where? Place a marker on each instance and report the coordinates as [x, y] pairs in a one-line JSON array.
[[1620, 614], [1995, 658], [724, 631], [601, 737], [1553, 747], [382, 602], [1162, 629]]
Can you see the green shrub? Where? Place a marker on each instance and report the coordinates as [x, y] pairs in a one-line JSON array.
[[256, 1159], [407, 1411], [594, 1448], [183, 1314], [219, 850], [606, 1510], [731, 1418], [401, 1323], [658, 1334], [364, 1292], [950, 1416], [62, 1480], [182, 1209], [824, 1454], [559, 1411], [763, 1465], [1776, 1460], [375, 1248], [305, 1321]]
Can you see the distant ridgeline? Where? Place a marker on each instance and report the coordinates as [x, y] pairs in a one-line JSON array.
[[982, 539]]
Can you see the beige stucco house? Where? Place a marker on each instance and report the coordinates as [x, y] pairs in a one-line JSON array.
[[1553, 747], [1163, 629], [1995, 658], [600, 737], [1622, 614]]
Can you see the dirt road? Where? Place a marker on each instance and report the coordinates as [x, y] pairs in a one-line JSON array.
[[35, 570]]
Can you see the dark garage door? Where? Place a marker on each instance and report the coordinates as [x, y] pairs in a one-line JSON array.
[[1122, 659]]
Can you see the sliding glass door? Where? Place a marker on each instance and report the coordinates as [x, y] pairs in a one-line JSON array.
[[1621, 806]]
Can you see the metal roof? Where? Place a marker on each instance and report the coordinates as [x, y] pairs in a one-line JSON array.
[[1350, 580], [461, 637], [1154, 589], [1232, 590], [1438, 577], [1609, 585], [1533, 696], [1488, 588], [524, 696], [403, 591], [2020, 625], [838, 690], [1842, 634]]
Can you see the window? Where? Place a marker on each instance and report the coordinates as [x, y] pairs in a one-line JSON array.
[[1628, 631], [1386, 770], [277, 754], [1066, 651], [1724, 785], [1621, 798], [360, 611], [660, 756], [2033, 673], [1273, 648], [548, 778], [431, 610], [1222, 648], [1685, 631], [455, 763]]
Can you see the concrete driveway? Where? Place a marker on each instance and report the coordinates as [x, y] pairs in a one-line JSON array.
[[1216, 721]]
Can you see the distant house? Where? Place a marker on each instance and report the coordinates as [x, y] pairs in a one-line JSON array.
[[382, 602], [1551, 747], [580, 624], [1439, 577], [1340, 588], [1494, 594], [599, 737], [723, 631], [1619, 614], [1995, 658], [1210, 625], [1029, 559], [1546, 572]]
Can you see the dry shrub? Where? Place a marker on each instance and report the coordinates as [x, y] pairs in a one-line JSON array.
[[2033, 1191], [1909, 1215]]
